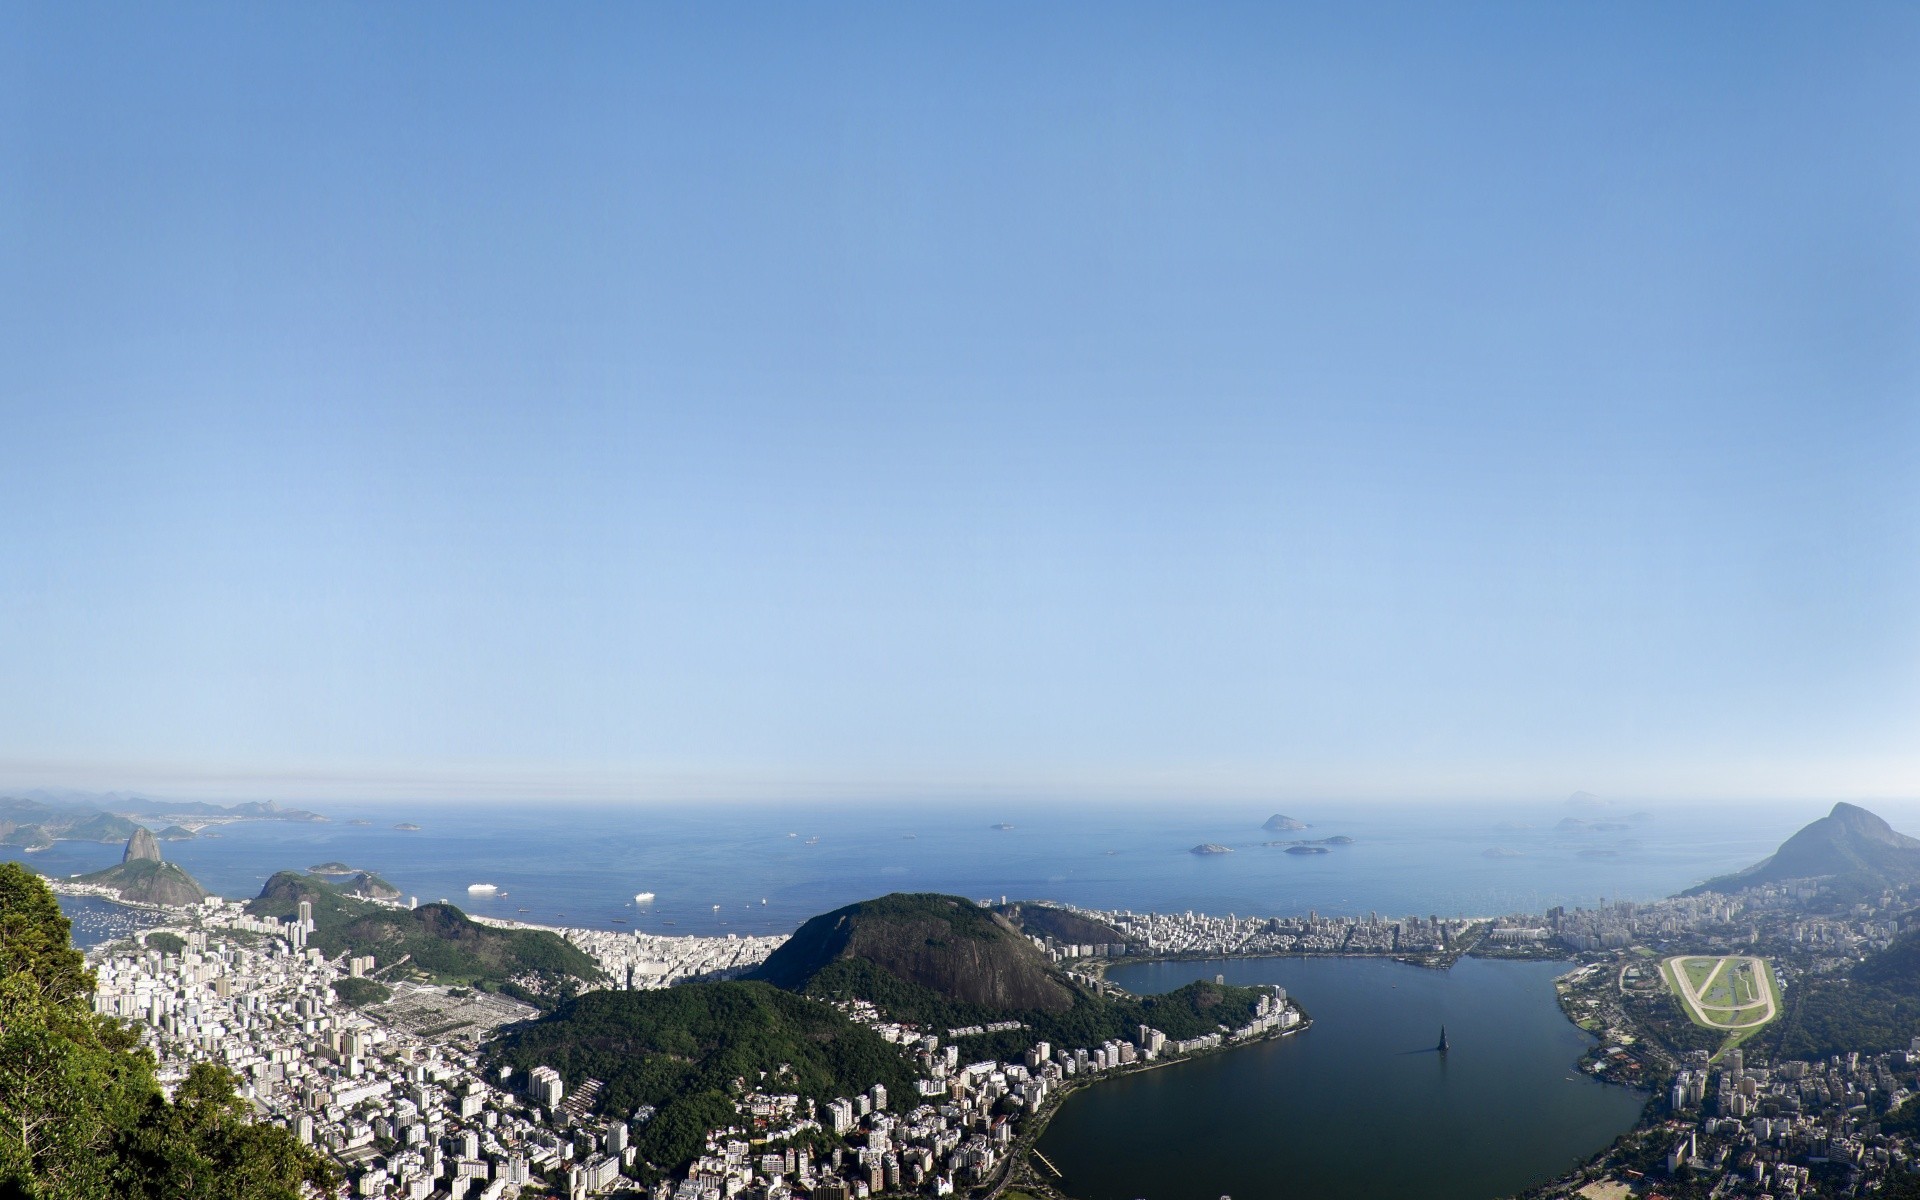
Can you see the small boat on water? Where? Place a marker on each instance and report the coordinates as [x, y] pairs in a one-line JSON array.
[[619, 920]]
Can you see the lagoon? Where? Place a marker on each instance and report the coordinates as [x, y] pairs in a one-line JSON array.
[[1360, 1106]]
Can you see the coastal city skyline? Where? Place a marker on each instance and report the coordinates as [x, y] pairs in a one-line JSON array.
[[1096, 401]]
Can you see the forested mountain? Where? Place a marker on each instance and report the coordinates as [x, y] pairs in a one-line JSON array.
[[946, 944], [435, 940], [944, 962]]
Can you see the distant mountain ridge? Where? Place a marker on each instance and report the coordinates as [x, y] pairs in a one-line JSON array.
[[35, 824], [37, 819], [1848, 842]]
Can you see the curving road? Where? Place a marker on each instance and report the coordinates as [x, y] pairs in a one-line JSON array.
[[1720, 1016]]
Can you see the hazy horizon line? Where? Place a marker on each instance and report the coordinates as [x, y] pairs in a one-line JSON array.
[[587, 788]]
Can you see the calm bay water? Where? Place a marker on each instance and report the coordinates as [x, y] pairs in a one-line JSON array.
[[1360, 1106], [582, 866]]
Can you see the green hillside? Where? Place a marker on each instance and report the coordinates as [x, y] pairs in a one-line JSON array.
[[436, 941], [686, 1049], [948, 945], [943, 962], [149, 881]]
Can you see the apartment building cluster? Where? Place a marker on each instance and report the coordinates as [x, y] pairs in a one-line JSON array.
[[405, 1114], [1758, 1130], [636, 961], [1191, 933], [954, 1133]]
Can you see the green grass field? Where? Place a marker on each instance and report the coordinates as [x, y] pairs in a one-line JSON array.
[[1734, 1000]]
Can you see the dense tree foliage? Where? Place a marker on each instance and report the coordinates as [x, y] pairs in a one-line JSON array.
[[166, 942], [81, 1115], [949, 944], [359, 993], [1191, 1011], [1874, 1010], [687, 1050]]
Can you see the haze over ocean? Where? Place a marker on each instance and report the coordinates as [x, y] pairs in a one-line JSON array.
[[583, 865]]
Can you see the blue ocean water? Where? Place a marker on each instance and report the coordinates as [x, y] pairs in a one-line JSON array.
[[764, 869]]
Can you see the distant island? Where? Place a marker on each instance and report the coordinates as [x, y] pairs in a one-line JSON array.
[[1003, 825], [1338, 839], [408, 826], [1281, 823], [1500, 852], [1211, 848], [1308, 850]]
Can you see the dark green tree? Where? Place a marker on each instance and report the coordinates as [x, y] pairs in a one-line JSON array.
[[82, 1116]]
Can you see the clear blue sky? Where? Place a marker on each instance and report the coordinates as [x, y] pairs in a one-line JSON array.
[[653, 400]]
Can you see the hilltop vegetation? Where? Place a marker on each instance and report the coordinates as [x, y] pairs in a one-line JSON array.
[[685, 1050], [435, 940], [149, 881], [81, 1115], [942, 962], [944, 944], [143, 878]]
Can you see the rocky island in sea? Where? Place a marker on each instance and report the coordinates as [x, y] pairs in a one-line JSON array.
[[1281, 823], [1211, 848]]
